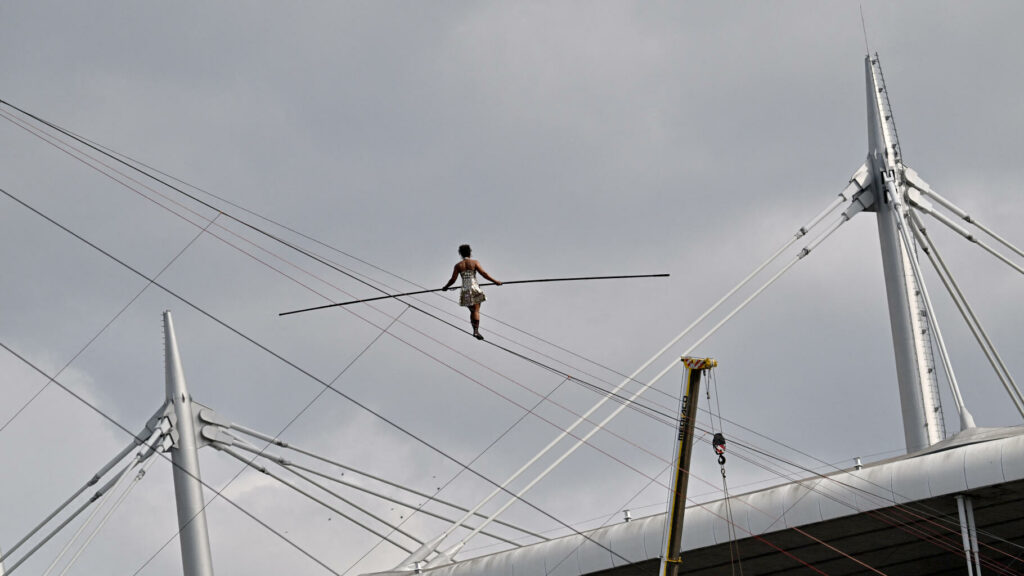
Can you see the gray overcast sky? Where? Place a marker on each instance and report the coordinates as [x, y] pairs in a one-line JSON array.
[[560, 139]]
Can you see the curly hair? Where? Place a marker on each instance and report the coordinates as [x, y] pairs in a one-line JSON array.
[[465, 250]]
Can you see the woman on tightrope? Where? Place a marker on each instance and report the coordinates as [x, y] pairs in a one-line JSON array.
[[472, 296]]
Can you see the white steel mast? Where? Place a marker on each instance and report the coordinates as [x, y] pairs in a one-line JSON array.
[[911, 329], [196, 559]]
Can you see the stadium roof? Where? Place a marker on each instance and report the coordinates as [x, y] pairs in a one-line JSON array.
[[894, 516]]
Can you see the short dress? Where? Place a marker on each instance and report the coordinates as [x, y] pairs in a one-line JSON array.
[[471, 292]]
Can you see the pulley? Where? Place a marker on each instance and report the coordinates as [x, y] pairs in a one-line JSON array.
[[718, 443]]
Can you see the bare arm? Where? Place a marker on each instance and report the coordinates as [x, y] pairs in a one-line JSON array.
[[455, 275], [486, 275]]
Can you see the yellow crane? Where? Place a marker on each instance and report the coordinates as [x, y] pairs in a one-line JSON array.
[[695, 368]]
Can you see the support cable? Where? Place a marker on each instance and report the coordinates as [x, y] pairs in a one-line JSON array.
[[91, 482], [966, 420], [293, 486], [315, 456], [74, 514], [104, 489], [394, 528], [148, 461], [607, 519], [292, 466], [110, 171], [108, 324], [961, 231], [994, 359], [130, 162], [479, 455], [121, 477], [285, 464], [966, 217]]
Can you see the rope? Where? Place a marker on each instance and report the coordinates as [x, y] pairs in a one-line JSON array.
[[105, 326]]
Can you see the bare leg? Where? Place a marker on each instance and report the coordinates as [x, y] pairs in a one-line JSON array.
[[474, 319]]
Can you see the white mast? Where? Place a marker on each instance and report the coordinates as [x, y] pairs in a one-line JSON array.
[[196, 559], [911, 329]]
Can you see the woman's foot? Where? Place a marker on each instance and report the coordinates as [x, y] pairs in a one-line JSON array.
[[478, 336]]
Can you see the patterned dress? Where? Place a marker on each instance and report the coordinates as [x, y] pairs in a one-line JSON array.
[[471, 292]]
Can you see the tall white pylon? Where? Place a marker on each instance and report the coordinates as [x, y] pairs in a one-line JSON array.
[[911, 327], [196, 559]]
